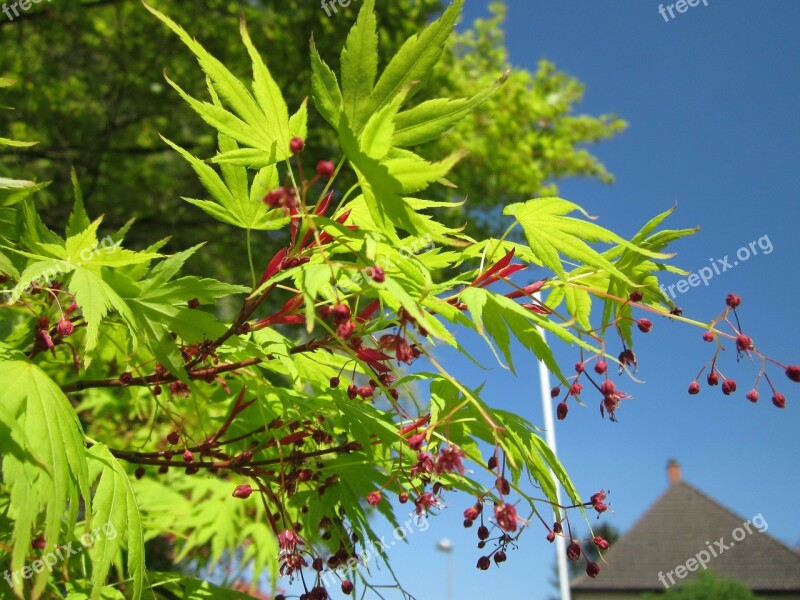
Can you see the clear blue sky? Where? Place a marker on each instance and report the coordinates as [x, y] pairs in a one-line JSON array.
[[711, 98]]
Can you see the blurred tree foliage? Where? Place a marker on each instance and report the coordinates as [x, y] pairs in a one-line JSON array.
[[706, 587], [91, 92]]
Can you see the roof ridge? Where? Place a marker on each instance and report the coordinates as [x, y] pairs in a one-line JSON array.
[[738, 516]]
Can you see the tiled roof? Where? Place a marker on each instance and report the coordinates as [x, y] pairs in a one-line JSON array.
[[682, 523]]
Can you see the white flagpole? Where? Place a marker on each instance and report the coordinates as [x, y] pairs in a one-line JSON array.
[[550, 438]]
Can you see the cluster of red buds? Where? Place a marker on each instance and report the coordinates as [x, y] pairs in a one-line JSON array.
[[506, 520], [611, 396], [745, 348], [574, 548]]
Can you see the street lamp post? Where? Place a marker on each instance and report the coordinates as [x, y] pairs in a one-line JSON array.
[[446, 546], [550, 438]]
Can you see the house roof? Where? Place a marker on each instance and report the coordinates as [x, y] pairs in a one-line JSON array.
[[682, 523]]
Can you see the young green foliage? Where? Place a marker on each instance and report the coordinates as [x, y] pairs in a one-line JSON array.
[[266, 425]]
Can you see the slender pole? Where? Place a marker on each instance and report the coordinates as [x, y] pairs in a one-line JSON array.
[[450, 571], [446, 546], [550, 438]]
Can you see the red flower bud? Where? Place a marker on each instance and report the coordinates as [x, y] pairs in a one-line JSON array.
[[635, 296], [374, 498], [503, 486], [600, 367], [341, 313], [173, 437], [296, 145], [708, 336], [65, 328], [712, 378], [561, 411], [484, 562], [242, 491], [574, 551], [326, 169], [733, 300], [273, 198], [743, 343], [555, 392], [378, 275], [415, 441], [728, 387], [644, 325], [607, 387], [694, 388], [752, 395], [483, 532], [347, 587], [592, 569], [793, 373], [188, 456], [779, 400]]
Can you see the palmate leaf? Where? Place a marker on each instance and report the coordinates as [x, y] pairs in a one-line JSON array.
[[159, 307], [643, 271], [42, 423], [233, 203], [259, 120], [551, 234], [115, 517], [96, 299]]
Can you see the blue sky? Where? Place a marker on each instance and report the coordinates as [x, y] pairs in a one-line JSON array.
[[711, 101]]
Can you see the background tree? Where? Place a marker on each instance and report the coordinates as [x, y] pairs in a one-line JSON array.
[[707, 587], [92, 95]]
